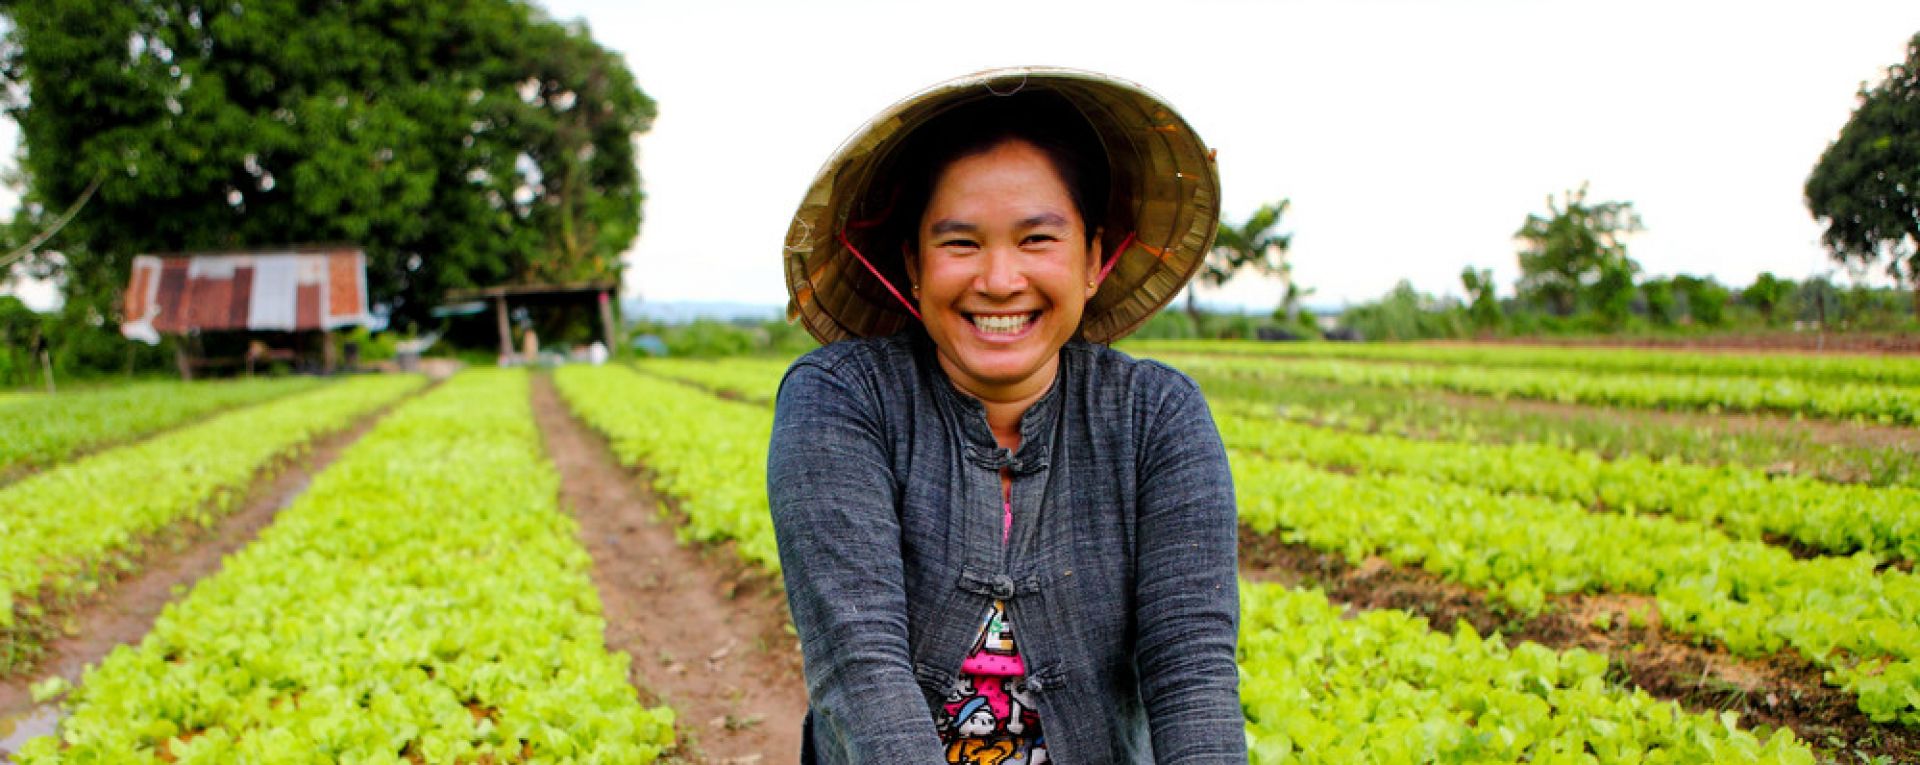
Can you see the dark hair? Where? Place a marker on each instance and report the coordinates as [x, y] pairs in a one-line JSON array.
[[1042, 118]]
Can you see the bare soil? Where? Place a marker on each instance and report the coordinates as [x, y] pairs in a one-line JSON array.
[[707, 634], [1783, 690], [170, 562]]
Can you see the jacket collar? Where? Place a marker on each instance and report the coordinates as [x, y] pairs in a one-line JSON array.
[[1036, 424]]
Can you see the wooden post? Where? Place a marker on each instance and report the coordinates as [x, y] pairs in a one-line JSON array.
[[329, 354], [183, 357], [506, 332], [606, 323], [42, 354]]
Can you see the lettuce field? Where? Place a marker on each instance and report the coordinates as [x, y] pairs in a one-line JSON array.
[[1449, 553]]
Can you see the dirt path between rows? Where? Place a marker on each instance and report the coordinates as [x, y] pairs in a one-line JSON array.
[[708, 637], [1780, 690], [123, 612]]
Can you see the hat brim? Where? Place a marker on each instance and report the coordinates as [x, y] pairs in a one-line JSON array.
[[1163, 181]]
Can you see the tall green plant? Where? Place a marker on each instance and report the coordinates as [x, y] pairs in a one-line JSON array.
[[1866, 186], [461, 143], [1566, 256], [1252, 244]]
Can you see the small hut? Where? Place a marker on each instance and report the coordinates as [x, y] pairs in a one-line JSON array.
[[594, 297], [282, 303]]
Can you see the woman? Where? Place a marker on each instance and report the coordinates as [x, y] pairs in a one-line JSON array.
[[968, 459]]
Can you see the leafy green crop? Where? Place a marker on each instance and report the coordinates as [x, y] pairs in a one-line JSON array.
[[752, 379], [1839, 518], [424, 599], [1319, 686], [67, 528], [40, 430], [1752, 597], [1604, 430], [710, 455], [1881, 369], [1844, 401]]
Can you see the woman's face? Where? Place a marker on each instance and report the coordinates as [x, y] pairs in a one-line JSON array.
[[1002, 269]]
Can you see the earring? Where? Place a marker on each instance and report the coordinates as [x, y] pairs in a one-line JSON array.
[[916, 290], [1091, 286]]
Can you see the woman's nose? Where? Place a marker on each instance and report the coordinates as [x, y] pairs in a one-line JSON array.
[[1001, 274]]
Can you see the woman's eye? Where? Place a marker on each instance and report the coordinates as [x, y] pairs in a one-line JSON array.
[[958, 243], [1037, 238]]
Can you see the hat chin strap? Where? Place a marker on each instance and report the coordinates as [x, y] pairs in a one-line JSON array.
[[842, 236], [1114, 259], [844, 242]]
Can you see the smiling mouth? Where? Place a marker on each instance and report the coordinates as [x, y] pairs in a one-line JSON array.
[[1003, 323]]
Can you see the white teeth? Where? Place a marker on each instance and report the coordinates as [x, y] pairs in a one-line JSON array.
[[1002, 325]]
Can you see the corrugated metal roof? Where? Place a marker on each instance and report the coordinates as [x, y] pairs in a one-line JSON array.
[[264, 291]]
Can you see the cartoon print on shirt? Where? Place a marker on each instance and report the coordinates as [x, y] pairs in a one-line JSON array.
[[975, 718], [997, 636], [960, 690], [973, 751], [989, 715], [1024, 709]]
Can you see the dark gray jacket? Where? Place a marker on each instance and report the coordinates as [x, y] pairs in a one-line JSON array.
[[884, 486]]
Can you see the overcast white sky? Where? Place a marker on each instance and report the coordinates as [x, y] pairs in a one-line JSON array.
[[1413, 137]]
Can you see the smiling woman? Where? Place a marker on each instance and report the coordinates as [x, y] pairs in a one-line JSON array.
[[1002, 271], [962, 456]]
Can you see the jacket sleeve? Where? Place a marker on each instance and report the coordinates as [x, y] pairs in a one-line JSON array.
[[831, 491], [1187, 585]]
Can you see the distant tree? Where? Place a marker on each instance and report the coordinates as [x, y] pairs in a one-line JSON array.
[[1483, 307], [1252, 244], [1818, 299], [1766, 295], [1612, 293], [1564, 254], [1867, 183], [1405, 313], [1706, 300], [1291, 299], [460, 142], [1661, 308]]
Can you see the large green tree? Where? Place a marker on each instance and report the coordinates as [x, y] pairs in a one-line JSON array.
[[1253, 244], [461, 142], [1867, 183], [1577, 253]]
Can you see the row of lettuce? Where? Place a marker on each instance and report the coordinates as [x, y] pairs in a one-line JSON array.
[[385, 617], [1412, 408], [41, 430], [1832, 368], [1854, 402], [1745, 501], [1318, 687], [67, 529]]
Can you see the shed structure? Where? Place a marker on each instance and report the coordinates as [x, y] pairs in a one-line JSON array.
[[293, 290], [503, 297]]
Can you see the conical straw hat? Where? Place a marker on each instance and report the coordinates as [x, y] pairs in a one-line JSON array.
[[1164, 206]]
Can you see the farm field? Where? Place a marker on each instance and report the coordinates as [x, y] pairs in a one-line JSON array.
[[37, 430], [1450, 554]]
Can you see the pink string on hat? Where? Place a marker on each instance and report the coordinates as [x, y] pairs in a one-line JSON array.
[[1114, 259], [842, 235]]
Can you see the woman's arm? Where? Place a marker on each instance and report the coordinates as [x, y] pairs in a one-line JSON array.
[[831, 490], [1187, 585]]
